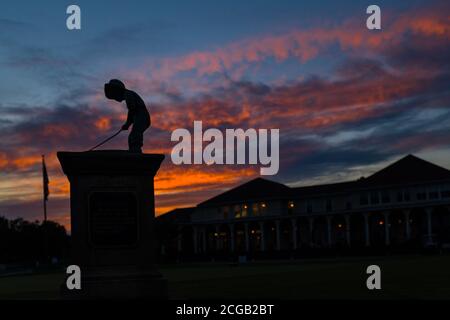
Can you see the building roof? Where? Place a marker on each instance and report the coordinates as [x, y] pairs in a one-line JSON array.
[[405, 171], [255, 189], [177, 215], [408, 170]]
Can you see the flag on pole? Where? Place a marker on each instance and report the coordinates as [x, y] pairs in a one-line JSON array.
[[45, 179]]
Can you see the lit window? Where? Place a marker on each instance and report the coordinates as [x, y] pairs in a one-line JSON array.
[[237, 211], [226, 212], [290, 207], [244, 211], [255, 209]]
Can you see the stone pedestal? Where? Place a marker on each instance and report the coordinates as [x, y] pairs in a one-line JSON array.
[[112, 214]]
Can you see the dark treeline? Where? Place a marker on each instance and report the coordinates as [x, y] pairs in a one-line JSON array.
[[23, 241]]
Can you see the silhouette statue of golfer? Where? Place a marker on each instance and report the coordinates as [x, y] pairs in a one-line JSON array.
[[138, 115]]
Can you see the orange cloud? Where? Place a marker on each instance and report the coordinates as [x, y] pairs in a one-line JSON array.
[[305, 105], [3, 160], [303, 44], [193, 178], [103, 123], [26, 162]]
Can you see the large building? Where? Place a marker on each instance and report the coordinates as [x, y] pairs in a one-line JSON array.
[[405, 205]]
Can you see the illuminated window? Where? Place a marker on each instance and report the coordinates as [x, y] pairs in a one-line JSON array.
[[237, 211], [291, 207], [226, 212], [244, 211], [263, 208], [255, 209]]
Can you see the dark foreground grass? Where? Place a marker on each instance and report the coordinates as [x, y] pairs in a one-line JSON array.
[[405, 277]]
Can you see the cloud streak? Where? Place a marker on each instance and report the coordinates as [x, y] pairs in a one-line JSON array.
[[389, 95]]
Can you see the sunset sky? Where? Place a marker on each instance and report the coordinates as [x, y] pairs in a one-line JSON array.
[[347, 100]]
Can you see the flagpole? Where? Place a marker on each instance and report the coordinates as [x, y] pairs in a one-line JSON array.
[[43, 190], [45, 197]]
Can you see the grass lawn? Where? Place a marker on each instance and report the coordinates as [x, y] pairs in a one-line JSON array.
[[403, 277]]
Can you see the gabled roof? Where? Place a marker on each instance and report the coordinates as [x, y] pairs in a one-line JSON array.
[[177, 215], [255, 189], [408, 170]]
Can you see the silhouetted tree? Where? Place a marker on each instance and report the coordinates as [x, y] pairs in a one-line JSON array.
[[22, 241]]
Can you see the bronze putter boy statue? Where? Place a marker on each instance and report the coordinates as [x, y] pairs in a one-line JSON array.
[[138, 115]]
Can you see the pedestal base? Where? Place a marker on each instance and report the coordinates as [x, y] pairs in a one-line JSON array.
[[112, 216]]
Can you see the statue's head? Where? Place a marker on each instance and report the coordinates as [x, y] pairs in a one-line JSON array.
[[115, 89]]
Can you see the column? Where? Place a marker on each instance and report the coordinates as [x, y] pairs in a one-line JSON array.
[[294, 233], [194, 239], [347, 229], [263, 241], [247, 240], [311, 230], [366, 229], [387, 238], [406, 214], [277, 235], [329, 218], [429, 224], [180, 239], [204, 240], [217, 228], [231, 226]]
